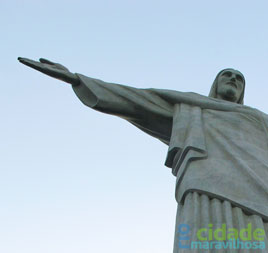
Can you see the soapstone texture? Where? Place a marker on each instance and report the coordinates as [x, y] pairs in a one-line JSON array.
[[217, 147]]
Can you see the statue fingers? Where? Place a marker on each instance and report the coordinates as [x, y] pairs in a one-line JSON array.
[[31, 63], [57, 65], [47, 67], [43, 60]]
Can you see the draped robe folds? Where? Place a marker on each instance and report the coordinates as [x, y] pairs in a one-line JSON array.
[[216, 147]]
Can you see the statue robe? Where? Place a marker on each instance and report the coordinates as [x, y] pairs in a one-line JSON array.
[[217, 148]]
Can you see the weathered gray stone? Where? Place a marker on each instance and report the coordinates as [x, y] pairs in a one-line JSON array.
[[217, 146]]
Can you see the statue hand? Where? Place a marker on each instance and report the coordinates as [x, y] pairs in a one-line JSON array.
[[52, 69]]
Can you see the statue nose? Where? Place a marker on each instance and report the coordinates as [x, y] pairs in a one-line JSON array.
[[233, 79]]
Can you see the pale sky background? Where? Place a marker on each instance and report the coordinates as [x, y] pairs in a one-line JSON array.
[[75, 180]]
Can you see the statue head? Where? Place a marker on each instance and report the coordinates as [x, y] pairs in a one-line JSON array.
[[229, 85]]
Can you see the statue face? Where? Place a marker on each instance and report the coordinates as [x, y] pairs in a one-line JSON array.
[[230, 85]]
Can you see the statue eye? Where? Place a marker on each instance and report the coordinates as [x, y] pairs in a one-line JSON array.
[[227, 73], [239, 78]]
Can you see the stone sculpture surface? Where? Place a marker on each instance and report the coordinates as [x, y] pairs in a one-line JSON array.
[[218, 147]]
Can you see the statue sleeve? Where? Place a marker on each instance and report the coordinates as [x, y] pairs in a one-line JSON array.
[[144, 108]]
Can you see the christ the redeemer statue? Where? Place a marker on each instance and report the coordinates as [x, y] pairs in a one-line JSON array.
[[218, 151]]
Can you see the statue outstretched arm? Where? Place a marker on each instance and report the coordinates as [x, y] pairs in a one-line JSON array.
[[144, 108]]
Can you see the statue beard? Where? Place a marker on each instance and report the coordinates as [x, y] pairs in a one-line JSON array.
[[228, 93]]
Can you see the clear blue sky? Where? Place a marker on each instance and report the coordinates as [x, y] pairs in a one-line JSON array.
[[75, 180]]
